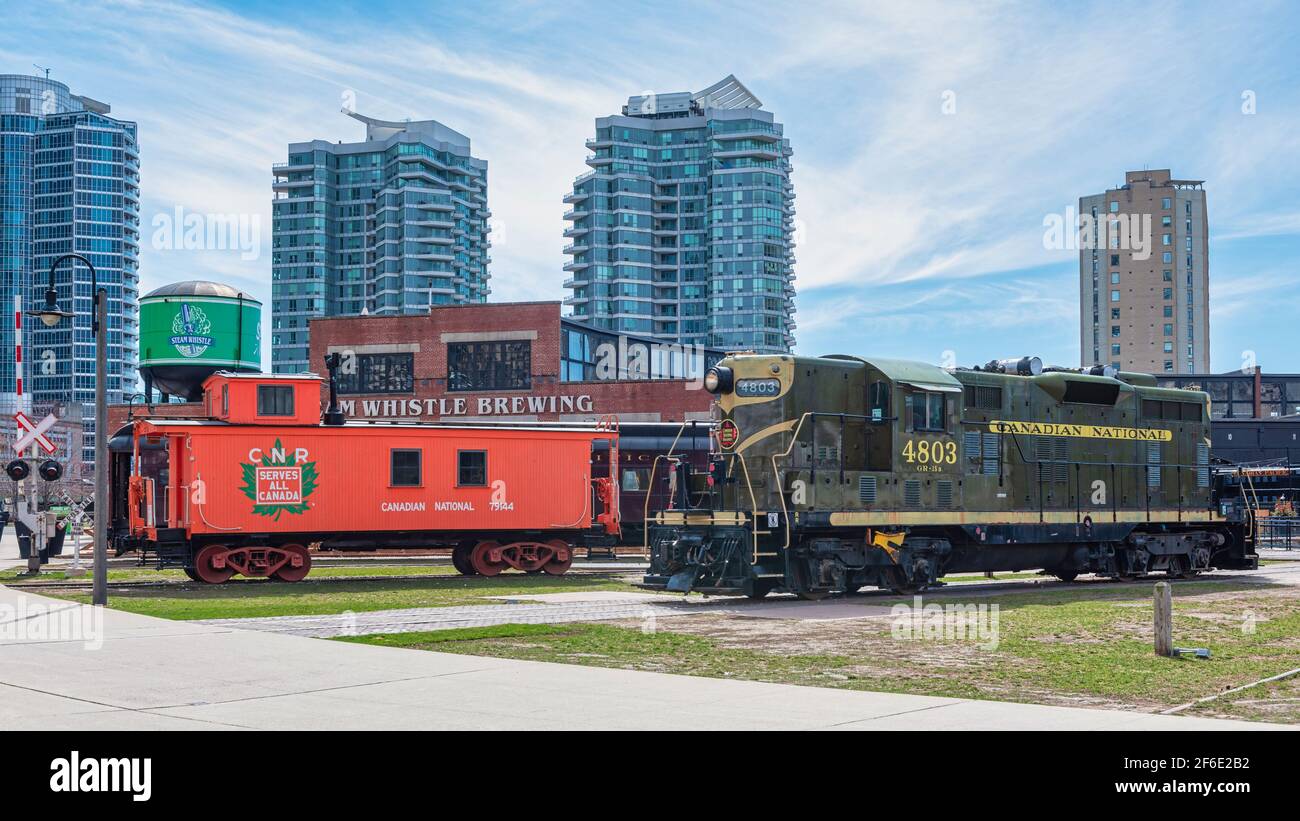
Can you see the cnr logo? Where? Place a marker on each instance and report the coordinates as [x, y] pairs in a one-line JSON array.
[[278, 455]]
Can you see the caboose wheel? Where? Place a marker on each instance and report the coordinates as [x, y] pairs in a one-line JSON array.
[[563, 559], [205, 568], [481, 558], [287, 572], [460, 559]]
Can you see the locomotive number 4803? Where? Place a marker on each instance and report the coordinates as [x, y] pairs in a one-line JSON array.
[[930, 455]]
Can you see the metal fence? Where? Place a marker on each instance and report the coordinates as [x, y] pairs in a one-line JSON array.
[[1279, 533]]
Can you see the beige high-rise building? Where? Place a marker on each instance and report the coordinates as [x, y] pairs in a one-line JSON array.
[[1144, 279]]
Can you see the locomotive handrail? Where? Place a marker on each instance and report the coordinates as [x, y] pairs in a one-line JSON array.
[[650, 484]]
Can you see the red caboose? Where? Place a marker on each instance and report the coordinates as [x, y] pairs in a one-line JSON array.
[[249, 486]]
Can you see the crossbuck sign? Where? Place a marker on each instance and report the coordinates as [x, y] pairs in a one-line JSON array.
[[35, 432]]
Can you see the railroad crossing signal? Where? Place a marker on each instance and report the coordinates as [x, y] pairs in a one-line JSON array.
[[35, 432]]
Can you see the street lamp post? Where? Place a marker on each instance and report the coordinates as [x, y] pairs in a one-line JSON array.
[[50, 315]]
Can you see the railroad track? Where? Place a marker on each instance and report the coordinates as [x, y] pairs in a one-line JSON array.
[[948, 590], [144, 584]]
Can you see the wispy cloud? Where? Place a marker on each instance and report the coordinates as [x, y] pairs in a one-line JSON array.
[[930, 138]]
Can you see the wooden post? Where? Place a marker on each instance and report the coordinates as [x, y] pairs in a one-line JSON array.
[[1164, 619]]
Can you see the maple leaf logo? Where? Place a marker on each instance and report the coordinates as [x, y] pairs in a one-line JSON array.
[[279, 483]]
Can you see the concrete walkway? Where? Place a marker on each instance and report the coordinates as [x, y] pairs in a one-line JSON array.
[[138, 672]]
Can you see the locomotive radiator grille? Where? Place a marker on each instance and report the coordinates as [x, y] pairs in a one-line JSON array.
[[867, 489], [943, 493], [912, 493]]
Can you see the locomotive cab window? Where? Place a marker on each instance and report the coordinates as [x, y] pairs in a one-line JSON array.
[[928, 411], [471, 468], [879, 397], [404, 467], [275, 400]]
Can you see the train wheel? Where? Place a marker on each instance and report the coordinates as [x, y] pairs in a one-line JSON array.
[[1177, 567], [481, 559], [460, 559], [562, 560], [287, 572], [207, 571], [899, 583], [1066, 576], [759, 588], [194, 577]]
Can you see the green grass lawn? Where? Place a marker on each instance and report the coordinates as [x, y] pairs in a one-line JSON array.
[[1083, 647], [18, 577], [259, 598]]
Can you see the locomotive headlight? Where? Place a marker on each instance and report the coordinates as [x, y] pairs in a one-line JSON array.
[[718, 379]]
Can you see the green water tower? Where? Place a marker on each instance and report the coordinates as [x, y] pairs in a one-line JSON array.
[[190, 330]]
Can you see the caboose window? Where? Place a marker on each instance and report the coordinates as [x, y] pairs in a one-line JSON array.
[[928, 411], [471, 468], [275, 400], [405, 467]]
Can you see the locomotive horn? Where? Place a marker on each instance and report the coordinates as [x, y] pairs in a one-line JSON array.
[[333, 414]]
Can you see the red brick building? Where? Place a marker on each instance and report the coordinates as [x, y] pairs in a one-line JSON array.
[[516, 361]]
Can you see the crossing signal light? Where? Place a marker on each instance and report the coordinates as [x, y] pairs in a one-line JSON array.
[[50, 470], [18, 470]]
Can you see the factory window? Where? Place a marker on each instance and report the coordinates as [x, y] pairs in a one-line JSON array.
[[1114, 330], [379, 373], [1167, 239], [1114, 313], [1166, 220], [489, 366], [405, 468], [1114, 206], [1114, 259], [1169, 293], [1167, 257], [1167, 276], [471, 468], [928, 411], [1114, 349], [274, 400], [1114, 296], [1169, 329], [1164, 203], [1114, 278]]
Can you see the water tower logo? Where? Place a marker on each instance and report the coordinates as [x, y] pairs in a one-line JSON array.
[[190, 329]]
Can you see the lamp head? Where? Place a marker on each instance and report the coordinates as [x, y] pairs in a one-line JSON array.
[[49, 314]]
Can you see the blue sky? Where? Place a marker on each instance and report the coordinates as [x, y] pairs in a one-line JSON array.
[[921, 232]]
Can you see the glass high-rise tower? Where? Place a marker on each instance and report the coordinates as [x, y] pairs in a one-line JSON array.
[[683, 229], [69, 182], [392, 225]]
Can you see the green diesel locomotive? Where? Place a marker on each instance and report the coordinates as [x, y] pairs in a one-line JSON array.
[[833, 473]]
